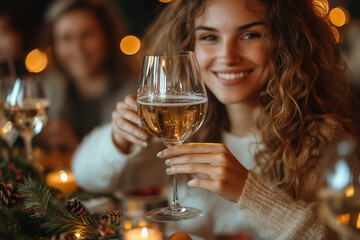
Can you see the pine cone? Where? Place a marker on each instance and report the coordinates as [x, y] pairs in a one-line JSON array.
[[76, 207], [8, 196], [62, 236], [112, 216]]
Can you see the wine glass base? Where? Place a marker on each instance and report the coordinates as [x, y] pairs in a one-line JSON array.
[[168, 214]]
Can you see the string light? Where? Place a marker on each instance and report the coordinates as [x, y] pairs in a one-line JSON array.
[[36, 61], [77, 235], [130, 45], [165, 1], [339, 16]]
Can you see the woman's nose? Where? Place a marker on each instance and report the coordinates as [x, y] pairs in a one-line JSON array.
[[229, 53]]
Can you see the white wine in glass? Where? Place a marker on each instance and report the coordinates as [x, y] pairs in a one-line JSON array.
[[7, 76], [27, 108], [172, 104]]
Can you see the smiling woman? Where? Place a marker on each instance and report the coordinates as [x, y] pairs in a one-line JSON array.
[[89, 73], [232, 53], [277, 99]]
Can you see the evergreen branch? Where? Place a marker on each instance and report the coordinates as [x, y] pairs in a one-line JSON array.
[[51, 218], [55, 225], [36, 196]]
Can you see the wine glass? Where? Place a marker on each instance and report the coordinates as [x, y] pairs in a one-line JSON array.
[[27, 108], [172, 104], [339, 194], [7, 75]]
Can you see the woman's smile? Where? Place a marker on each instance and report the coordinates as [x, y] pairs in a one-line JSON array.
[[232, 77]]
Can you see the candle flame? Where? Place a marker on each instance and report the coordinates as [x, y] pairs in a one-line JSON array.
[[63, 176], [144, 233]]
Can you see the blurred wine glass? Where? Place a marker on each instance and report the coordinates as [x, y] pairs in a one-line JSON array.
[[340, 193], [7, 76], [26, 107]]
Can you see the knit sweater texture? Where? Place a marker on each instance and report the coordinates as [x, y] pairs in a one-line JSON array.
[[263, 211]]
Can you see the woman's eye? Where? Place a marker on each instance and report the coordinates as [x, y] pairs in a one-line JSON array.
[[209, 38], [251, 36]]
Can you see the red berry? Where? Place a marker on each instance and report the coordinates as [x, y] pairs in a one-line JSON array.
[[11, 166], [107, 231]]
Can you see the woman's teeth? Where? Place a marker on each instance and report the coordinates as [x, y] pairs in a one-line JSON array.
[[232, 76]]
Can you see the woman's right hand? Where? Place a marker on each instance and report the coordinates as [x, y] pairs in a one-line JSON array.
[[126, 125]]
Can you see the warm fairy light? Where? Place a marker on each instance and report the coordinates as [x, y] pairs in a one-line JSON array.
[[358, 222], [64, 177], [336, 33], [130, 45], [144, 233], [349, 191], [321, 7], [343, 219], [36, 61], [165, 1], [77, 235], [339, 16]]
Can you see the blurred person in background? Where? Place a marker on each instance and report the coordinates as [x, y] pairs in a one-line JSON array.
[[89, 74]]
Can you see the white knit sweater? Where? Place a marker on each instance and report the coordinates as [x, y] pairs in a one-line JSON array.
[[262, 209]]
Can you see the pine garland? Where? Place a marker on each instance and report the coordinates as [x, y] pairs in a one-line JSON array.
[[40, 215], [14, 165]]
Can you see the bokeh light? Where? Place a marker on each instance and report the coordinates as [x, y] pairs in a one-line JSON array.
[[165, 1], [36, 61], [321, 7], [130, 45], [337, 35], [339, 16]]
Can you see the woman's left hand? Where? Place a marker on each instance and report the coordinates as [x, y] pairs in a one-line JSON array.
[[215, 167]]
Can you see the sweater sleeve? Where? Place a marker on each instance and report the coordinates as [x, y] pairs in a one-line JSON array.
[[279, 216], [100, 167]]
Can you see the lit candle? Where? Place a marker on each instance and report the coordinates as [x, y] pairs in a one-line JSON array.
[[143, 234], [62, 180]]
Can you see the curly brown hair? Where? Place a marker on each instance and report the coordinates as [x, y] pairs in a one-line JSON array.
[[306, 99]]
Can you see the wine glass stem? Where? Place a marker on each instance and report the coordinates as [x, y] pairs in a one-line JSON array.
[[28, 146], [175, 191]]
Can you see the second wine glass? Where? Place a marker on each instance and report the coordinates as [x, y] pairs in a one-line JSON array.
[[172, 104], [7, 76], [339, 193], [27, 108]]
